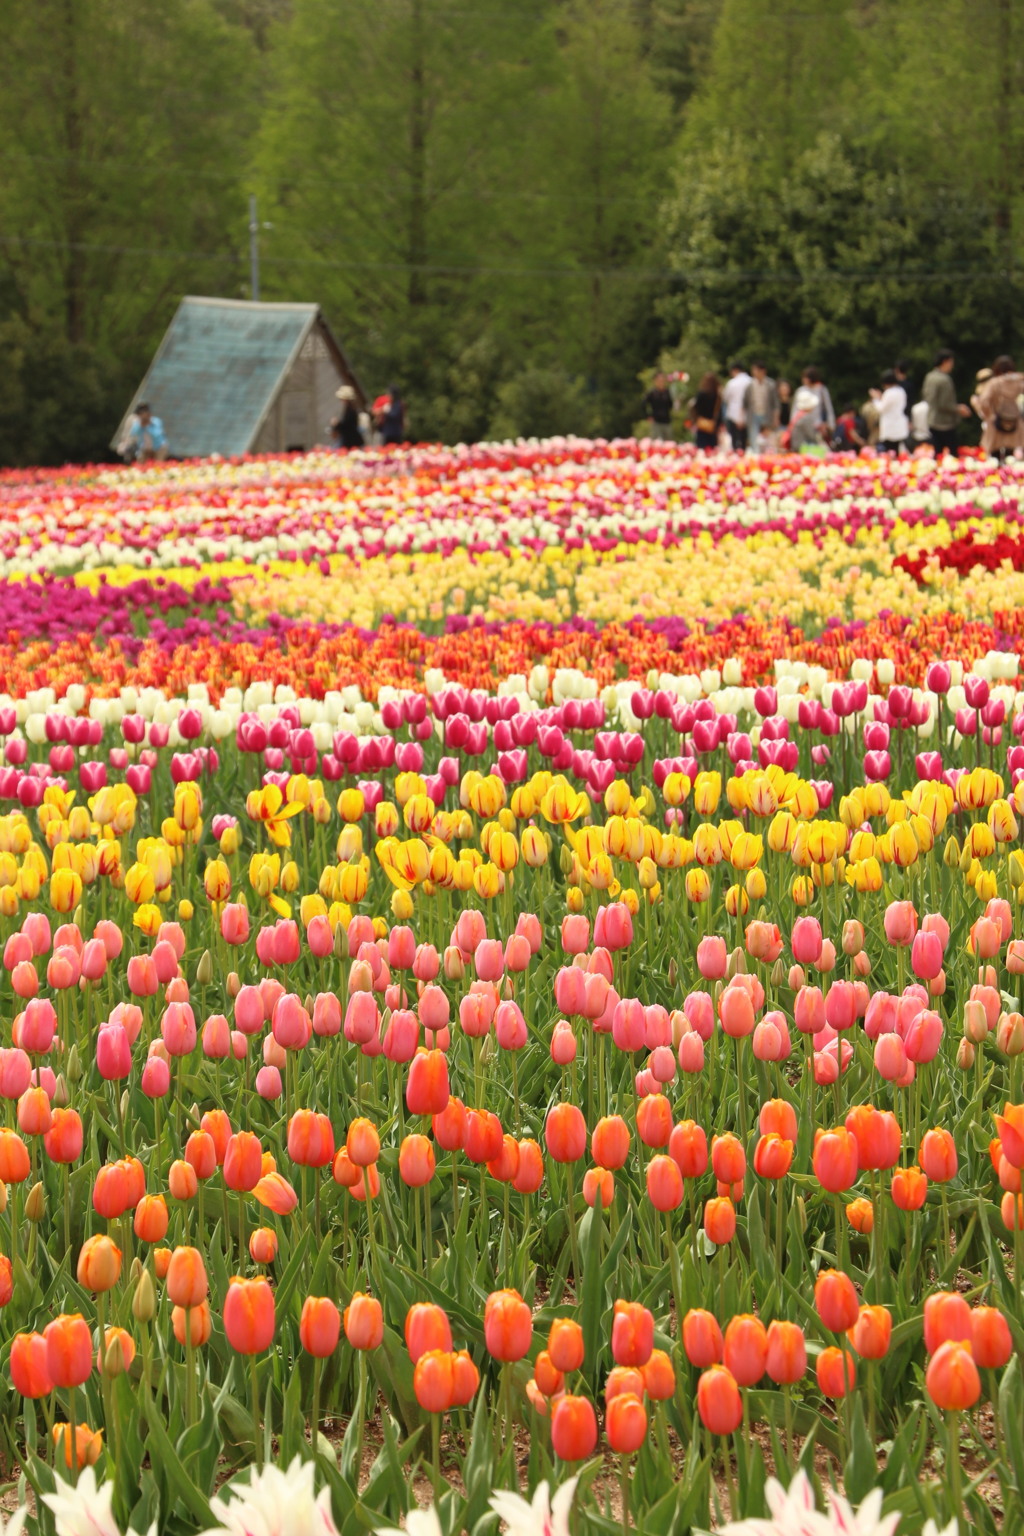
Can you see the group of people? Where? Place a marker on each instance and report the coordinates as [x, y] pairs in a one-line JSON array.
[[382, 424], [753, 411]]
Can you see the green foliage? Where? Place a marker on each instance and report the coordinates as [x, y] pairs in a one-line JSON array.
[[511, 212]]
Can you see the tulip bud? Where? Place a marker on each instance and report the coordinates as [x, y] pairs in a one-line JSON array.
[[951, 853], [204, 970], [736, 965], [126, 1100], [1010, 1034], [778, 977], [61, 1097], [487, 1050], [340, 943], [801, 1213], [233, 985], [965, 1055], [114, 1362], [3, 1197], [565, 859], [74, 1069], [135, 1272], [78, 916], [144, 1299], [454, 965], [673, 971], [35, 1205]]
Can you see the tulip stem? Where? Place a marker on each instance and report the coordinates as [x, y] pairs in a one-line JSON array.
[[315, 1419], [72, 1431], [953, 1470], [67, 1209], [730, 1481], [624, 1491], [190, 1369], [435, 1441], [257, 1438], [571, 1205]]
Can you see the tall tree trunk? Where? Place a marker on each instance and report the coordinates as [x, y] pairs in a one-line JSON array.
[[417, 162], [74, 287], [1006, 161]]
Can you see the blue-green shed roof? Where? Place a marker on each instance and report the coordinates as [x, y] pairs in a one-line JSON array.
[[218, 369]]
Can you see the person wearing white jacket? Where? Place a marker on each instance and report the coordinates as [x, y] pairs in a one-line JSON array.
[[893, 424]]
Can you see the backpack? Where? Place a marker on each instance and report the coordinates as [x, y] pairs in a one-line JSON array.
[[1007, 418]]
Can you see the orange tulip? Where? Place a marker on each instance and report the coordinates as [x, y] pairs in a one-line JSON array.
[[449, 1126], [773, 1157], [201, 1154], [344, 1170], [151, 1219], [310, 1139], [1011, 1208], [88, 1444], [689, 1146], [426, 1328], [416, 1161], [909, 1188], [111, 1190], [877, 1134], [186, 1278], [320, 1326], [529, 1175], [362, 1142], [599, 1184], [623, 1378], [274, 1192], [664, 1183], [34, 1114], [30, 1370], [216, 1123], [861, 1215], [249, 1315], [947, 1317], [778, 1118], [263, 1245], [63, 1141], [99, 1264], [427, 1087], [433, 1380], [199, 1320], [465, 1379], [181, 1180], [786, 1354], [632, 1333], [364, 1322], [120, 1341], [508, 1325], [573, 1428], [746, 1348], [550, 1380], [720, 1220], [609, 1143], [835, 1159], [243, 1161], [836, 1372], [836, 1300], [871, 1332], [68, 1350], [654, 1120], [728, 1158], [702, 1338], [659, 1376], [938, 1156], [1010, 1126], [990, 1338], [505, 1166], [15, 1164], [718, 1401], [952, 1379], [625, 1423], [565, 1133], [565, 1344]]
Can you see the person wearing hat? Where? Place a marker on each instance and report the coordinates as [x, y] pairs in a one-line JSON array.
[[345, 429]]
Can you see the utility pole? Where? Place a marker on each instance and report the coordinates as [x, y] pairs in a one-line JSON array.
[[254, 251]]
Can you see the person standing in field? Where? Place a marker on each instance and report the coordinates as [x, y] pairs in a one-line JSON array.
[[659, 405], [707, 413], [761, 405], [733, 408], [999, 408], [944, 414], [893, 424]]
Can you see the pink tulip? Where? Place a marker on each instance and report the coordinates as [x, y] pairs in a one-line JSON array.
[[268, 1083], [248, 1010], [326, 1015], [110, 936], [613, 926], [129, 1016], [518, 954], [809, 1011], [38, 1026], [770, 1040], [489, 960], [217, 1037], [434, 1011], [890, 1057], [900, 923], [113, 1053], [362, 1020], [926, 955], [156, 1078], [691, 1053], [841, 1005], [736, 1012], [36, 929], [923, 1037], [178, 1029], [320, 936], [15, 1072], [563, 1044], [575, 933], [570, 990], [698, 1008], [806, 941], [510, 1027], [712, 958]]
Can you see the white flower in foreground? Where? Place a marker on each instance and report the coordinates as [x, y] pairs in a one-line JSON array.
[[82, 1510], [793, 1513], [418, 1522], [275, 1503], [868, 1520], [931, 1529], [539, 1518]]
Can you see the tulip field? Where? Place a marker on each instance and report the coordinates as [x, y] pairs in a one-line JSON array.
[[511, 1005]]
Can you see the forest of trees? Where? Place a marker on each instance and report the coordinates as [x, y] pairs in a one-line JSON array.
[[513, 209]]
